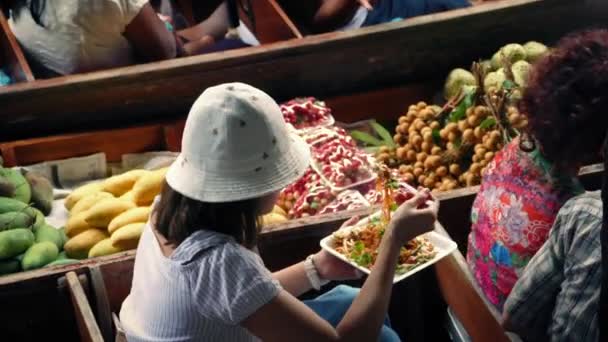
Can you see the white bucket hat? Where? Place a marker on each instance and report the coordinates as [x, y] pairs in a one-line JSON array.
[[236, 146]]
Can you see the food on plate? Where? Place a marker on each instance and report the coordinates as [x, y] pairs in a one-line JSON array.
[[306, 112], [361, 243], [346, 200], [312, 201], [342, 164]]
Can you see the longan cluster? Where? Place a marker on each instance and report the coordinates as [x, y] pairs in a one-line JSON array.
[[436, 160], [421, 152]]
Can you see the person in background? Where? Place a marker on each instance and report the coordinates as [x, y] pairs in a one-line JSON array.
[[524, 187], [62, 37], [330, 15], [196, 274], [561, 295]]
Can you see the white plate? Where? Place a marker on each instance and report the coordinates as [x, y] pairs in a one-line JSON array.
[[443, 246]]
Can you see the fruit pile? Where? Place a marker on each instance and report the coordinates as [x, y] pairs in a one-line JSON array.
[[508, 67], [337, 165], [108, 217], [27, 241], [306, 112], [444, 148], [339, 161]]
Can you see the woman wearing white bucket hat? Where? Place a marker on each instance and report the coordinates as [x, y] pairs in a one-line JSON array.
[[196, 276]]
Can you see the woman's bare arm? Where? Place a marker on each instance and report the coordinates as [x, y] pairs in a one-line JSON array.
[[149, 37]]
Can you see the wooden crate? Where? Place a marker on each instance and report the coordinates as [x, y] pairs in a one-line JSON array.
[[331, 64]]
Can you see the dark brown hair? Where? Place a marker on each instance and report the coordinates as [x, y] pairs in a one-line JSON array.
[[566, 100], [177, 216]]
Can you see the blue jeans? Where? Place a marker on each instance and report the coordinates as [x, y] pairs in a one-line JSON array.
[[333, 305], [387, 10]]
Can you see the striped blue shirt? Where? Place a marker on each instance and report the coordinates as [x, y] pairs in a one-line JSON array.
[[557, 298], [208, 286]]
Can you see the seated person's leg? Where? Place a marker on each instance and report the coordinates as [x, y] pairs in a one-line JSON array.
[[332, 307]]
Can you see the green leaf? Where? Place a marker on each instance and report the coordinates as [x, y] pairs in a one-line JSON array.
[[393, 184], [394, 206], [487, 123], [375, 220], [366, 138], [436, 136], [359, 246], [314, 205], [364, 260], [508, 85], [457, 143], [461, 110], [383, 133], [371, 149]]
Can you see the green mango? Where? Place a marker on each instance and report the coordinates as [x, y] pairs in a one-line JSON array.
[[42, 192], [16, 219], [63, 235], [9, 266], [40, 220], [49, 233], [20, 257], [11, 204], [15, 241], [7, 189], [23, 191], [39, 255], [61, 262], [62, 256]]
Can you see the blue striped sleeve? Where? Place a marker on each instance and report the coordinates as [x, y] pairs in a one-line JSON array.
[[241, 285]]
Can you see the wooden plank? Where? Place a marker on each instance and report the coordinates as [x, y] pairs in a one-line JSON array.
[[103, 313], [270, 24], [87, 325], [323, 65], [12, 55], [114, 143]]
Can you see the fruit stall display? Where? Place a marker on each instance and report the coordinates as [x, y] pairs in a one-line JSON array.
[[27, 241], [438, 147], [105, 217], [449, 146]]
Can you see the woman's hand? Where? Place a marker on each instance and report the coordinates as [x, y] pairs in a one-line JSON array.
[[331, 268], [413, 217], [367, 4]]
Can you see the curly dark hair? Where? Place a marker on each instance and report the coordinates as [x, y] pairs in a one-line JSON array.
[[566, 100], [567, 107]]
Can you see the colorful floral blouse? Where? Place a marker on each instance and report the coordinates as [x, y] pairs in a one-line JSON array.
[[512, 215]]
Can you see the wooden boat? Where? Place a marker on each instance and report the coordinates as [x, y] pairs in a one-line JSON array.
[[328, 64], [41, 299], [144, 106]]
